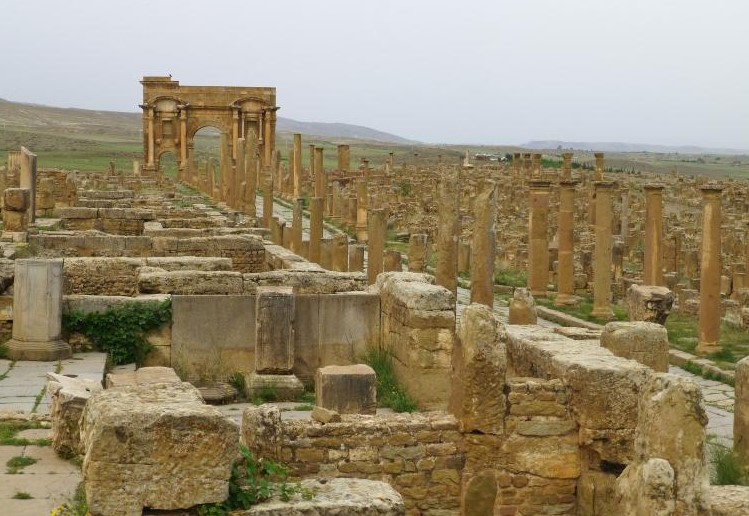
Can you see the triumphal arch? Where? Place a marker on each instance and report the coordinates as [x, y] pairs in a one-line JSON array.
[[172, 114]]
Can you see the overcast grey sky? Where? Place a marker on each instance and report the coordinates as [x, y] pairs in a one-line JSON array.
[[498, 72]]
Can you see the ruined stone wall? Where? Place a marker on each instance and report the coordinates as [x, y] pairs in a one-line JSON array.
[[418, 454], [246, 252], [418, 327], [115, 221]]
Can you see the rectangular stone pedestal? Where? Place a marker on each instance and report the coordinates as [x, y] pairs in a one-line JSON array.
[[282, 387]]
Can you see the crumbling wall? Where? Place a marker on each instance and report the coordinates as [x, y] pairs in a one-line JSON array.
[[418, 328], [418, 454], [115, 221]]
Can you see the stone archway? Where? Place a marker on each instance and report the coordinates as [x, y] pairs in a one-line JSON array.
[[173, 114]]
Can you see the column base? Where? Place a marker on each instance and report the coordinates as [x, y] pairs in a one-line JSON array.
[[539, 293], [362, 236], [39, 351], [566, 300], [706, 348], [282, 387], [603, 313]]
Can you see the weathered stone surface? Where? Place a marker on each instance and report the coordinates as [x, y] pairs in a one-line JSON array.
[[480, 494], [645, 342], [336, 497], [741, 409], [728, 500], [647, 489], [69, 396], [479, 368], [17, 199], [522, 307], [649, 303], [155, 446], [324, 415], [142, 376], [189, 282], [347, 389]]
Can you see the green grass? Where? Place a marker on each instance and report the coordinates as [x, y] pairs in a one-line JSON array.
[[16, 464], [683, 334], [511, 277], [22, 495], [389, 392], [306, 407], [9, 429], [584, 309], [728, 468]]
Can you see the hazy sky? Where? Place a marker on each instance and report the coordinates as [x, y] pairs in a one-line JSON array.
[[495, 71]]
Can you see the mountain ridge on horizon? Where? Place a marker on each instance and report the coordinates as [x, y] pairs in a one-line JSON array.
[[623, 147], [33, 115]]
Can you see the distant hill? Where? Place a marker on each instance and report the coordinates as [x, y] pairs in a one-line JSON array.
[[16, 115], [628, 147]]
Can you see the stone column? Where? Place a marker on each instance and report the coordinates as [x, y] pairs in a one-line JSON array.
[[267, 200], [361, 211], [340, 253], [565, 265], [315, 229], [392, 261], [484, 246], [567, 166], [417, 252], [356, 258], [652, 273], [297, 165], [27, 179], [447, 232], [599, 166], [240, 176], [375, 244], [710, 270], [536, 161], [351, 213], [37, 312], [344, 158], [297, 227], [602, 254], [741, 411], [311, 148], [538, 238], [320, 187]]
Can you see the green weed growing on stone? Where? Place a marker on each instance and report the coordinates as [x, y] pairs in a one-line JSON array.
[[727, 466], [389, 392], [120, 331], [22, 495], [9, 429], [253, 481], [16, 464]]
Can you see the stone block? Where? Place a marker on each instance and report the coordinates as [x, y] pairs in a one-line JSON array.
[[15, 221], [17, 199], [645, 342], [273, 387], [649, 303], [347, 389], [155, 446], [522, 308], [274, 342], [69, 396]]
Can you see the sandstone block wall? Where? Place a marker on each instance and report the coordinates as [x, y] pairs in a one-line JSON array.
[[115, 221], [418, 327], [418, 454]]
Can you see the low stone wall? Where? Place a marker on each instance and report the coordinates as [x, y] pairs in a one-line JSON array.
[[418, 454], [119, 276], [418, 327], [115, 221], [246, 252]]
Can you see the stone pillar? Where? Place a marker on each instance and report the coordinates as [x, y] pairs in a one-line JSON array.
[[37, 312], [356, 258], [344, 158], [741, 411], [599, 166], [250, 178], [16, 206], [565, 264], [240, 174], [652, 270], [351, 214], [447, 233], [392, 261], [417, 252], [375, 244], [484, 246], [536, 163], [297, 165], [602, 254], [361, 211], [311, 148], [320, 186], [267, 199], [710, 270], [297, 227], [538, 239], [566, 166], [340, 253], [315, 229], [27, 179]]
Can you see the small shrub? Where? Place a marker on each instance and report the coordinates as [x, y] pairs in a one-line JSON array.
[[728, 467], [22, 495], [119, 331], [511, 277], [253, 481]]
